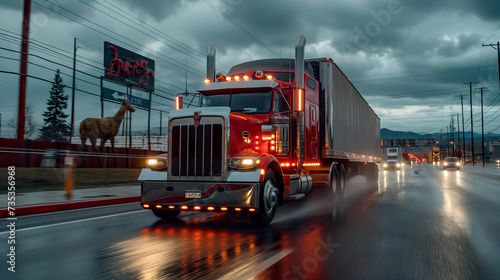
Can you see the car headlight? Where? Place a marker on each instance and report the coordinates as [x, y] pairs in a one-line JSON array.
[[397, 164], [458, 163], [244, 163], [445, 163], [157, 163]]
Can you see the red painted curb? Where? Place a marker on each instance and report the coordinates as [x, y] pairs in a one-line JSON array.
[[20, 211]]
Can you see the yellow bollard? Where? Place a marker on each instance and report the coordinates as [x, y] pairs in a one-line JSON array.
[[68, 176]]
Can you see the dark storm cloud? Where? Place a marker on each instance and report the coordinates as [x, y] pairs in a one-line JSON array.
[[157, 10], [43, 10], [397, 53]]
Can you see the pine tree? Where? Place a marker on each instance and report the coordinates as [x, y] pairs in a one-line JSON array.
[[55, 127]]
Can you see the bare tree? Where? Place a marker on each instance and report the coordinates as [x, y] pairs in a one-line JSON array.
[[29, 125]]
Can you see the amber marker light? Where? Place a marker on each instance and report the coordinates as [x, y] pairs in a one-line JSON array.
[[251, 210], [210, 208], [171, 207], [184, 207], [158, 206], [246, 78], [228, 78], [236, 78], [145, 205], [223, 208], [300, 106], [207, 81], [197, 208], [237, 209], [178, 103], [269, 77]]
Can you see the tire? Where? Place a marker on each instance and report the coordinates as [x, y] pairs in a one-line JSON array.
[[166, 215], [371, 174], [339, 192], [268, 200], [333, 180]]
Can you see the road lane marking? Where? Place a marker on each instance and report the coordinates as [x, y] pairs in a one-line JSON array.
[[253, 268], [76, 221]]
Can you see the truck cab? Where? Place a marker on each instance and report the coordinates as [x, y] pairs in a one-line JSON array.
[[259, 136]]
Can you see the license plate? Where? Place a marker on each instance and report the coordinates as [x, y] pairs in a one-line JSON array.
[[193, 194]]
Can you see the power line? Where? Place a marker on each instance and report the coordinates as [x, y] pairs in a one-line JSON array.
[[240, 27], [175, 62]]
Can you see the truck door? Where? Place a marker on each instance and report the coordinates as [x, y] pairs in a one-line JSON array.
[[281, 120], [312, 120]]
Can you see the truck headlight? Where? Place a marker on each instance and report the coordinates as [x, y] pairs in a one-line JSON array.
[[445, 163], [244, 163], [398, 165], [156, 163], [385, 164]]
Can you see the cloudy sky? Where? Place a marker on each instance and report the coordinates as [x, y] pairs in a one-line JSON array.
[[409, 58]]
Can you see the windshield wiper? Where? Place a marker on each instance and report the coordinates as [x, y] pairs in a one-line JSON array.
[[242, 111]]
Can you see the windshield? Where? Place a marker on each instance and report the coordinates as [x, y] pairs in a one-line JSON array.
[[247, 102], [451, 159]]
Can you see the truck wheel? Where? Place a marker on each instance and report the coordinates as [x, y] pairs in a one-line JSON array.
[[166, 215], [268, 200], [339, 192]]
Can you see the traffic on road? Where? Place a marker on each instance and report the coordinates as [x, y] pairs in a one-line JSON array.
[[420, 222]]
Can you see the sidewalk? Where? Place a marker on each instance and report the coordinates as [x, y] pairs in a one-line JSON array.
[[48, 201]]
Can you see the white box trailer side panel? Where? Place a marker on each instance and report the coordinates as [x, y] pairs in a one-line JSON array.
[[351, 127]]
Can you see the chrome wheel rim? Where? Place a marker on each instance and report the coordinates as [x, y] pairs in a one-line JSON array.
[[270, 196]]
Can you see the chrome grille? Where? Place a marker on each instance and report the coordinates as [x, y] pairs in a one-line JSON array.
[[197, 152]]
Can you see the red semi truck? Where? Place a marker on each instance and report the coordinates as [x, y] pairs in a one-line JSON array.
[[268, 131]]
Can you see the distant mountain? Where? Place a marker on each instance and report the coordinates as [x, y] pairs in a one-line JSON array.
[[391, 134]]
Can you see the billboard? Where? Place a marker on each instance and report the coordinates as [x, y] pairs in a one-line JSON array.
[[128, 68]]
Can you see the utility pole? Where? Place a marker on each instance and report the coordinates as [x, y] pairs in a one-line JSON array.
[[21, 115], [471, 121], [498, 53], [447, 141], [482, 126], [463, 126], [73, 92], [458, 134], [452, 134]]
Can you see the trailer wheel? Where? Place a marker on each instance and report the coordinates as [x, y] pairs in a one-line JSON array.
[[339, 192], [334, 180], [166, 215], [371, 173], [268, 200]]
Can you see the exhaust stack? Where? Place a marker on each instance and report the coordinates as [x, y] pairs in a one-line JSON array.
[[299, 61], [299, 96], [211, 63]]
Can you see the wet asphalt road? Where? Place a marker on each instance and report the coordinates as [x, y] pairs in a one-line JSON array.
[[420, 223]]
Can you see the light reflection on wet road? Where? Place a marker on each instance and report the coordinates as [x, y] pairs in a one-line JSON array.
[[421, 223]]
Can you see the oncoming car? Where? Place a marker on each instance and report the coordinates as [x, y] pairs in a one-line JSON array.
[[451, 162]]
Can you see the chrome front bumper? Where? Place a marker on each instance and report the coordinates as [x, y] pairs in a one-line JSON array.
[[213, 194]]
